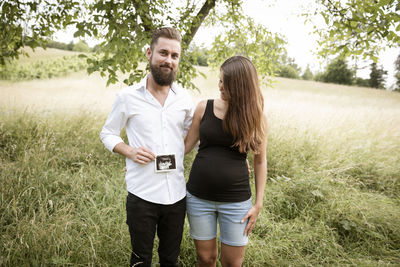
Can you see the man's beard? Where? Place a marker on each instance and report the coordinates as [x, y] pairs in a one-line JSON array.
[[160, 77]]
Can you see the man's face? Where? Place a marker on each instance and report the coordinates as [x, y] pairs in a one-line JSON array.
[[164, 60]]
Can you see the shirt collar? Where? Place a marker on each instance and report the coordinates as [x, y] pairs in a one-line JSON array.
[[142, 86]]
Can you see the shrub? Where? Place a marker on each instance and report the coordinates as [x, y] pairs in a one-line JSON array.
[[338, 72], [288, 71], [362, 82], [81, 46], [307, 75]]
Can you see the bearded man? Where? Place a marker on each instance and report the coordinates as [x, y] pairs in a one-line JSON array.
[[157, 114]]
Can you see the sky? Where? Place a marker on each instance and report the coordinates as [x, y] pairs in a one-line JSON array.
[[284, 17]]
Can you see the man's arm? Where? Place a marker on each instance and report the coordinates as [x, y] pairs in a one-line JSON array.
[[110, 135], [139, 155]]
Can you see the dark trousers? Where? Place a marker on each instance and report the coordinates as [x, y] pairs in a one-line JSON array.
[[144, 220]]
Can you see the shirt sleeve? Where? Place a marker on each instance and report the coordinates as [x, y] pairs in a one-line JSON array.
[[189, 116], [116, 121]]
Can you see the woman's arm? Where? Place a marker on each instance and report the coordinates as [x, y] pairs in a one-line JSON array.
[[260, 173], [193, 135]]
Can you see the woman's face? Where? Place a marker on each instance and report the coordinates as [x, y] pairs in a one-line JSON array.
[[221, 86]]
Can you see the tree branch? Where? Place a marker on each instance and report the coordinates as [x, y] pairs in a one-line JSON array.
[[146, 22], [197, 21]]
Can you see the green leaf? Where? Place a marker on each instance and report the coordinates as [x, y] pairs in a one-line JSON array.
[[77, 33], [353, 24], [358, 52], [384, 2]]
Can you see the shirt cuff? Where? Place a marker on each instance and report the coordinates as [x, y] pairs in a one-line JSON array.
[[111, 141]]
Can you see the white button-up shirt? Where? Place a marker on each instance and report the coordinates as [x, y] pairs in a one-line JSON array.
[[159, 128]]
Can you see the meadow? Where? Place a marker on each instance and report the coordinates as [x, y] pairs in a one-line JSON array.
[[42, 64], [333, 184]]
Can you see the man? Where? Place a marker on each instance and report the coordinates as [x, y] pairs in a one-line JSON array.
[[157, 114]]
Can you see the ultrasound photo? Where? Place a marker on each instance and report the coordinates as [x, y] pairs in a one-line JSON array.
[[165, 163]]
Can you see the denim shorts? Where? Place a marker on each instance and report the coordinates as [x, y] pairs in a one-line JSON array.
[[203, 216]]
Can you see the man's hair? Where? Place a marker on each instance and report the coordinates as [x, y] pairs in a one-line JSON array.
[[166, 32]]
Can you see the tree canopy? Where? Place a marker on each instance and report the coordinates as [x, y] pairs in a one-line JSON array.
[[358, 27], [126, 28], [354, 27], [29, 23]]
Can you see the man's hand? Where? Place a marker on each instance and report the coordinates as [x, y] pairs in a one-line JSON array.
[[141, 155]]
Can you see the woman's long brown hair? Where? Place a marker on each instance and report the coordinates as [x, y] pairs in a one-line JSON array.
[[244, 116]]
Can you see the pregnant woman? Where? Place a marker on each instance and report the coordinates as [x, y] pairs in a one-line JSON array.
[[218, 190]]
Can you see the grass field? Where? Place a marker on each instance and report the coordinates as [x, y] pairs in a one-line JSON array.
[[42, 64], [333, 185], [40, 54]]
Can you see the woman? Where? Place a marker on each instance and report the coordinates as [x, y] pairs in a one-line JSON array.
[[218, 189]]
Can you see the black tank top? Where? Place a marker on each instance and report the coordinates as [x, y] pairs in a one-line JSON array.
[[219, 171]]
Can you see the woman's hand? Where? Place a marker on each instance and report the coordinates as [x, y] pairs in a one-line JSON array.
[[251, 216]]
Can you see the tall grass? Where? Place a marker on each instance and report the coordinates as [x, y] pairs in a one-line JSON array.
[[61, 194], [62, 198], [333, 185]]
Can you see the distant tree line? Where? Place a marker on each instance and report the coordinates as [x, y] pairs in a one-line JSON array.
[[338, 71], [80, 46]]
